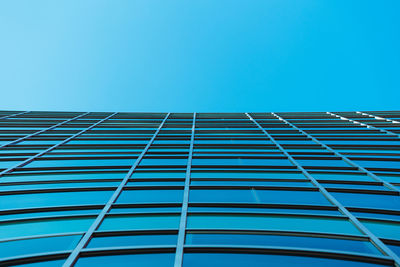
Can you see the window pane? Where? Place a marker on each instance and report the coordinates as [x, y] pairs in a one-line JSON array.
[[345, 245], [258, 260], [162, 161], [389, 230], [23, 201], [391, 202], [45, 263], [242, 161], [342, 177], [62, 176], [133, 240], [80, 162], [137, 260], [140, 222], [270, 222], [42, 227], [156, 175], [260, 175], [38, 245], [258, 196], [150, 196]]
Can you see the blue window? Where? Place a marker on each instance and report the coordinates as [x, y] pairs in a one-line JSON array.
[[158, 175], [258, 196], [80, 162], [242, 162], [342, 176], [150, 196], [375, 201], [43, 226], [259, 260], [384, 229], [162, 161], [251, 183], [133, 240], [45, 263], [24, 201], [271, 222], [345, 245], [254, 175], [7, 164], [137, 260], [140, 222], [38, 245]]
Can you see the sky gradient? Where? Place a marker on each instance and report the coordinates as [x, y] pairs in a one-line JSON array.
[[200, 55]]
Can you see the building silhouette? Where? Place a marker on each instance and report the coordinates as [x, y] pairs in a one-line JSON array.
[[200, 189]]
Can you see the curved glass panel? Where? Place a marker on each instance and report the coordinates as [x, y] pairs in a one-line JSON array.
[[38, 245], [384, 229], [258, 260], [43, 227], [82, 162], [345, 245], [374, 201], [45, 263], [140, 222], [23, 201], [258, 196], [150, 196], [61, 176], [133, 240], [137, 260], [271, 222]]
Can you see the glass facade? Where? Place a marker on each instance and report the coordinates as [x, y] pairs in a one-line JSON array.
[[199, 189]]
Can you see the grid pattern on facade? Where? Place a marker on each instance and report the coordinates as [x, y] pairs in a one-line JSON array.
[[200, 189]]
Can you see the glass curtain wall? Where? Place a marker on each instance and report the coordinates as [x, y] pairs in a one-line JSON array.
[[199, 189]]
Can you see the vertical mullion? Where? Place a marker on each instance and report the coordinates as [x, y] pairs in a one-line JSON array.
[[375, 240], [13, 115], [23, 163], [344, 158], [185, 202], [377, 117], [42, 131], [70, 261], [363, 124]]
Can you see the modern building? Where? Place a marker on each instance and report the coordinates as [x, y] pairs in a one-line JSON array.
[[200, 189]]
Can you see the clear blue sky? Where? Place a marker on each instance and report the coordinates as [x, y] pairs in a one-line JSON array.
[[200, 55]]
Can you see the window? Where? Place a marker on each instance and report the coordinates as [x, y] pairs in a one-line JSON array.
[[259, 260], [140, 222], [271, 222], [259, 240], [134, 240], [137, 260], [38, 245], [43, 226], [384, 229], [150, 196], [258, 196], [375, 201], [24, 201]]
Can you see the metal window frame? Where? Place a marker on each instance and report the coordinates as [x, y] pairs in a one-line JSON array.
[[23, 163], [374, 239], [344, 158], [42, 131], [13, 115], [182, 224], [377, 117], [71, 260], [277, 129], [363, 124]]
